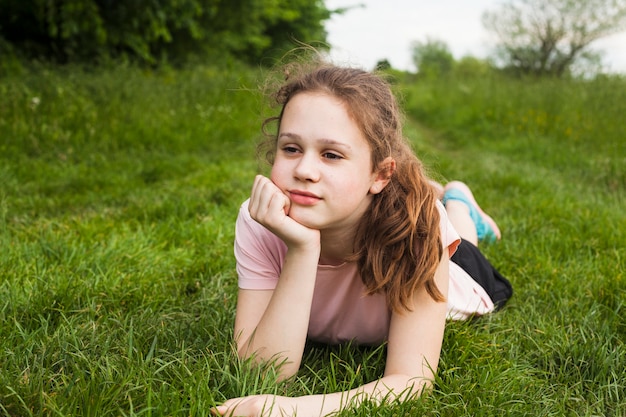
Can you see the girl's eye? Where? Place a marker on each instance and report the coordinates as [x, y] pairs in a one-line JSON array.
[[290, 149], [330, 155]]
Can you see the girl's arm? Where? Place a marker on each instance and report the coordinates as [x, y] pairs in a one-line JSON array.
[[273, 324], [414, 347]]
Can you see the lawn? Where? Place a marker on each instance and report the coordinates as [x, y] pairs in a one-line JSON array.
[[119, 189]]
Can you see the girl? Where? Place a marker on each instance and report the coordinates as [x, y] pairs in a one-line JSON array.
[[348, 241]]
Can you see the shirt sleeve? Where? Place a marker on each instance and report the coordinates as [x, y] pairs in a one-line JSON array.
[[258, 252], [449, 236]]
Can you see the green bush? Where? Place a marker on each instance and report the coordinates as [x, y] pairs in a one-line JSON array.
[[159, 30]]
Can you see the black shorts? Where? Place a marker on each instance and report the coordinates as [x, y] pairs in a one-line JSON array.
[[472, 261]]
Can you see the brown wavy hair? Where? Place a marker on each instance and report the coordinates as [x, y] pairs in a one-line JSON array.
[[397, 246]]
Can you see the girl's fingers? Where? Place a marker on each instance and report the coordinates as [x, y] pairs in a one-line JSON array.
[[269, 206], [252, 406], [267, 201], [258, 198], [257, 187], [227, 409], [219, 410]]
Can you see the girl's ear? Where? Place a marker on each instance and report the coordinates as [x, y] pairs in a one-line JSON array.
[[383, 175]]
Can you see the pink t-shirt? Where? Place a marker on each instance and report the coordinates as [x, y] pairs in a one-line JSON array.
[[340, 310]]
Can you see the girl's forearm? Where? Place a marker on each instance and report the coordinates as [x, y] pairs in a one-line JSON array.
[[388, 388], [280, 334]]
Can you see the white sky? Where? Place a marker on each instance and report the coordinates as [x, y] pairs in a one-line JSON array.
[[385, 29]]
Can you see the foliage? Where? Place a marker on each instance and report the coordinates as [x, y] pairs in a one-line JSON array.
[[548, 37], [432, 58], [568, 125], [10, 62], [119, 189], [472, 67], [383, 65], [156, 30]]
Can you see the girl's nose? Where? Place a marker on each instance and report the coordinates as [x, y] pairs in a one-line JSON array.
[[307, 168]]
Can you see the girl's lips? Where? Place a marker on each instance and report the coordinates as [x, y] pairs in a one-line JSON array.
[[303, 198]]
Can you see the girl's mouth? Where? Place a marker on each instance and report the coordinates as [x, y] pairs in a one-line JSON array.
[[303, 198]]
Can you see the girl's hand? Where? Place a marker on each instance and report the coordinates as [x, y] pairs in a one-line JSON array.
[[257, 406], [270, 207]]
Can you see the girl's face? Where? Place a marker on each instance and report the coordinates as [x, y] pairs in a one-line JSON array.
[[323, 163]]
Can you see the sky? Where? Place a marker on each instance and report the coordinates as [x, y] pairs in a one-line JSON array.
[[385, 29]]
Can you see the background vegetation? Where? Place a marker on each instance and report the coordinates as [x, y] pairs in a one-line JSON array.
[[550, 38], [119, 189], [157, 31]]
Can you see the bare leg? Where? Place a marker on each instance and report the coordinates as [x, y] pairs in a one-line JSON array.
[[472, 223], [458, 214]]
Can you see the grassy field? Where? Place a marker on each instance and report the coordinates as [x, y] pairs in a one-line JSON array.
[[118, 194]]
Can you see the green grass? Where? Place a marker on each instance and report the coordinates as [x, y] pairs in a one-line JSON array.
[[118, 194]]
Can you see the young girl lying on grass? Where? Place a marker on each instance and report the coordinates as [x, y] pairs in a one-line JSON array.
[[348, 240]]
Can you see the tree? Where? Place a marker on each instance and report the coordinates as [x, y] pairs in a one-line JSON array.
[[472, 67], [151, 30], [547, 37], [383, 65], [432, 58]]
